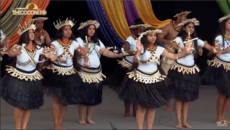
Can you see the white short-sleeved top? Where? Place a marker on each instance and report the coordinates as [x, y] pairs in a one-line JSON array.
[[152, 67], [224, 57], [24, 59], [133, 45], [188, 60], [59, 50], [94, 59]]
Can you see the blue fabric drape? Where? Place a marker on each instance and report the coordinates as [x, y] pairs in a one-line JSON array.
[[106, 32]]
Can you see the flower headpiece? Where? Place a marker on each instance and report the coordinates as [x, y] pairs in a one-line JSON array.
[[193, 20], [25, 28], [149, 31]]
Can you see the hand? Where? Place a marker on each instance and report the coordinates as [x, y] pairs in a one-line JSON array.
[[18, 50], [219, 53], [120, 55], [187, 48], [139, 45], [5, 42], [86, 48], [51, 56]]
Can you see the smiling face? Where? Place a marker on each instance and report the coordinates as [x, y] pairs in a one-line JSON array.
[[151, 37]]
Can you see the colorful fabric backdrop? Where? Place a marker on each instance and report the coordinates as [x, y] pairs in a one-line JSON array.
[[114, 16], [224, 6]]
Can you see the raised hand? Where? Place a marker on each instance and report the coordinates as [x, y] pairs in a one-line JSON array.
[[187, 48], [18, 50], [139, 45], [5, 42]]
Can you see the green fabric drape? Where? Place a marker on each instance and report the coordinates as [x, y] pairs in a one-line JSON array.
[[224, 6], [9, 22]]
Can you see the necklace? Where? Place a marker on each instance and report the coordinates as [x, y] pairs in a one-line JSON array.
[[175, 26], [64, 43], [30, 50], [152, 48]]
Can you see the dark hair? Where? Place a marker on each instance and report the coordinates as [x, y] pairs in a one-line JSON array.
[[138, 21], [84, 32], [183, 35], [59, 35], [145, 43], [221, 31], [25, 38]]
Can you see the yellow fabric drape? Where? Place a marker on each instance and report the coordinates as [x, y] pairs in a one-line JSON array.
[[115, 13], [147, 15]]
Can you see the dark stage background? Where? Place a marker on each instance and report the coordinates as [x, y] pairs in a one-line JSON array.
[[207, 12]]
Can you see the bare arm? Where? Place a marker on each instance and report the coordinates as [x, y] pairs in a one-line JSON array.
[[110, 54], [15, 50], [47, 39]]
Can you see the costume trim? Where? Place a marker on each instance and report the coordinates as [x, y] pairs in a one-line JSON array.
[[216, 62], [140, 25], [124, 63], [62, 70], [89, 22], [24, 76], [193, 20], [183, 12], [90, 75], [25, 28], [223, 18], [185, 69], [60, 24], [145, 77]]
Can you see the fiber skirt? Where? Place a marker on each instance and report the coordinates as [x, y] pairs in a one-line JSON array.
[[185, 87], [151, 95], [218, 77], [66, 87], [20, 93]]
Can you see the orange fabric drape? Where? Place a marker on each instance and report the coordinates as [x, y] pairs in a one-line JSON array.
[[42, 4], [5, 4], [145, 11]]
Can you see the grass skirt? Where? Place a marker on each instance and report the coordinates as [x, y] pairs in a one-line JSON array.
[[66, 87], [22, 94], [185, 87], [152, 95], [219, 77]]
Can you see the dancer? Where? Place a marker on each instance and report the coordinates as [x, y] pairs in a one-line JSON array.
[[146, 85], [116, 78], [62, 81], [21, 87], [42, 37], [218, 72], [90, 73], [183, 74], [170, 31]]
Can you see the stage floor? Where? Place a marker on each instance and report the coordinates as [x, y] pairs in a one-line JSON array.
[[202, 114]]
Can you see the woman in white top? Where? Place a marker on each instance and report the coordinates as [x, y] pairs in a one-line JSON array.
[[61, 80], [218, 72], [183, 74], [21, 87], [145, 85], [90, 73], [116, 79]]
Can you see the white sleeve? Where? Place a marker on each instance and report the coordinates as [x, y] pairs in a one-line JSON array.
[[200, 43], [76, 44], [160, 50], [219, 40], [40, 50], [178, 40], [101, 44], [129, 40], [80, 42]]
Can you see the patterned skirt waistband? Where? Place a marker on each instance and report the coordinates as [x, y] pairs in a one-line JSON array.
[[146, 77], [125, 63], [33, 75], [217, 62], [193, 69], [62, 70], [91, 75]]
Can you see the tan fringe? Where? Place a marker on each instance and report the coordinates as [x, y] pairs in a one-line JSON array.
[[217, 63], [124, 63], [146, 79], [62, 70], [91, 77], [185, 70], [20, 75]]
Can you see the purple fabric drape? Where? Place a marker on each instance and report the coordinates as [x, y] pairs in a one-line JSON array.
[[130, 12], [106, 32]]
